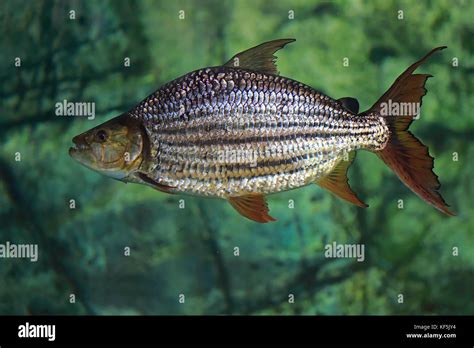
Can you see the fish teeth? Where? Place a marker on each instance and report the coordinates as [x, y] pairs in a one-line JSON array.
[[80, 146]]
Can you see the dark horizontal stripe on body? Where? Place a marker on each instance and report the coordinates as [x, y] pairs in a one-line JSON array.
[[223, 170], [186, 141], [250, 124], [237, 176]]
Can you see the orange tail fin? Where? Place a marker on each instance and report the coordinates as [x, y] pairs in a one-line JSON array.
[[404, 153]]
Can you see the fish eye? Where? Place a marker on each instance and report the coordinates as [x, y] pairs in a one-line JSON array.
[[101, 135]]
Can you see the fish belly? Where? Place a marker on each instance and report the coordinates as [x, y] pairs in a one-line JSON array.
[[227, 132]]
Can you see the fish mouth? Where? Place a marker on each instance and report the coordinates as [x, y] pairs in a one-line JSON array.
[[77, 147]]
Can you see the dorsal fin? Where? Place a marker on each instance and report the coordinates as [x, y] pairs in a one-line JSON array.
[[259, 58], [337, 182], [350, 104], [253, 206]]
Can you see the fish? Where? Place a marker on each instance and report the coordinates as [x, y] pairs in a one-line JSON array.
[[240, 132]]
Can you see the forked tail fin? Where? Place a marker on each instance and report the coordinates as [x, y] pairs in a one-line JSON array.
[[404, 153]]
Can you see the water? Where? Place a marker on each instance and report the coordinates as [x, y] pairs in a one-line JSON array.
[[109, 248]]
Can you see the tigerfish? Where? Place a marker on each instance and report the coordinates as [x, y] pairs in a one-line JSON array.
[[241, 131]]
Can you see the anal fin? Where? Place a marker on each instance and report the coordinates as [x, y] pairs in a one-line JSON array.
[[338, 183], [253, 206]]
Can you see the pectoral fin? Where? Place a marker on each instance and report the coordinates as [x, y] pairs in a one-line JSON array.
[[337, 182], [253, 206], [156, 185], [259, 58]]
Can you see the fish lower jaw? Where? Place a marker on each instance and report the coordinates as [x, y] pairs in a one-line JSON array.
[[78, 153]]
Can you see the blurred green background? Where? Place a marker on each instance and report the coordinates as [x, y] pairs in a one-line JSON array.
[[190, 251]]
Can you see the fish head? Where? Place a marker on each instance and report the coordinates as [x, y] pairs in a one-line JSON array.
[[114, 148]]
